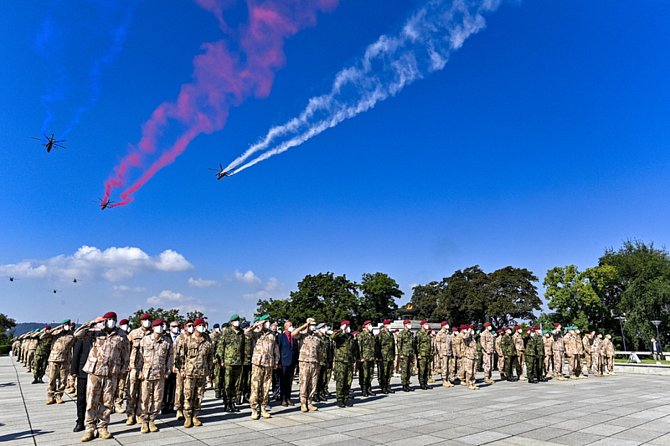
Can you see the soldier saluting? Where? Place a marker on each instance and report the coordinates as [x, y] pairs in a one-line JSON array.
[[344, 361], [62, 340]]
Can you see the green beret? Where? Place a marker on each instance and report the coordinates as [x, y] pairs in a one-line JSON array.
[[265, 317], [224, 325], [65, 321], [234, 317]]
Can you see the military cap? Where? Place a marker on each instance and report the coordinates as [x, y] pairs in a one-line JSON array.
[[234, 317], [386, 321], [423, 322], [199, 321], [366, 323], [345, 323], [463, 327], [157, 322], [537, 328], [557, 325], [109, 315], [355, 332], [245, 324], [406, 321], [216, 326], [123, 321], [517, 327], [443, 323], [145, 316], [499, 331], [48, 327], [454, 328], [265, 317], [487, 324], [529, 330], [65, 321], [320, 326], [225, 324]]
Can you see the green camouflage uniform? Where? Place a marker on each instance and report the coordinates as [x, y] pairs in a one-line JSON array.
[[424, 350], [245, 379], [406, 351], [325, 366], [41, 357], [386, 356], [534, 357], [367, 346], [509, 350], [343, 353], [230, 352], [218, 381]]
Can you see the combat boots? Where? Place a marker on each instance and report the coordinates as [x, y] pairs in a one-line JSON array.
[[59, 400], [340, 403], [255, 415], [35, 381], [265, 413], [370, 392], [131, 420], [187, 422], [196, 422], [180, 414], [145, 428], [153, 427], [389, 389], [88, 436], [447, 383], [312, 407], [303, 408], [50, 401], [105, 434]]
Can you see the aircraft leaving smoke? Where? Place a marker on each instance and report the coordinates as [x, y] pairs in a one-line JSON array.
[[388, 65], [223, 78], [49, 44]]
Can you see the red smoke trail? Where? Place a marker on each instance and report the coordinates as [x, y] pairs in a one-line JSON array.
[[221, 79]]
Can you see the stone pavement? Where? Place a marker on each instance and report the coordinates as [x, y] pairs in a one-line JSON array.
[[618, 410]]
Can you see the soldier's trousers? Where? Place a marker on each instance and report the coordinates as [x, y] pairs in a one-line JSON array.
[[437, 365], [480, 361], [573, 362], [58, 372], [218, 381], [460, 368], [39, 366], [406, 364], [309, 375], [558, 363], [322, 384], [30, 359], [384, 371], [588, 361], [344, 374], [233, 374], [169, 393], [245, 380], [121, 389], [179, 392], [152, 398], [261, 382], [510, 365], [487, 363], [597, 364], [521, 359], [423, 369], [194, 392], [531, 365], [134, 394], [99, 401], [366, 371], [608, 363], [81, 400], [444, 365], [548, 364], [501, 366], [469, 366]]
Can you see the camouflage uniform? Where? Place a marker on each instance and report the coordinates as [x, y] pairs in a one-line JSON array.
[[501, 356], [344, 360], [548, 342], [218, 381], [607, 356], [263, 360], [179, 356], [59, 364], [309, 359], [407, 352], [586, 346], [520, 345], [31, 348], [597, 358], [457, 348], [196, 361], [534, 356], [230, 352], [122, 382], [558, 349], [42, 352], [571, 352], [469, 360], [134, 408], [244, 390], [424, 350], [509, 350], [386, 345], [106, 360], [155, 359], [367, 346], [325, 366], [488, 352]]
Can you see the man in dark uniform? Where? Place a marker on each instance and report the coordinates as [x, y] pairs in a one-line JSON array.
[[367, 347], [230, 353], [82, 346], [386, 356], [344, 361], [407, 353]]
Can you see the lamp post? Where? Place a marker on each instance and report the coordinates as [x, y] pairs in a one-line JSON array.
[[622, 319], [656, 324]]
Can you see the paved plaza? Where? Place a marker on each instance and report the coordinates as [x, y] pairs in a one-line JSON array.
[[618, 410]]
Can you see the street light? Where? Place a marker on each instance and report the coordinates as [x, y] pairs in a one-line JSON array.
[[656, 324], [622, 319]]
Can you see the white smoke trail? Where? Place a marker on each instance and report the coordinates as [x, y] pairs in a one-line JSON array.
[[388, 65]]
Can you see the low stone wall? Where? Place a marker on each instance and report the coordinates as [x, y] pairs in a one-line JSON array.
[[642, 369]]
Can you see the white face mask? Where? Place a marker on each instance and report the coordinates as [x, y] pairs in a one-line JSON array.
[[426, 327], [164, 326], [217, 330], [124, 327], [146, 323], [111, 323], [312, 328], [532, 334], [266, 325], [489, 328], [290, 329], [235, 323], [190, 329], [408, 327], [200, 328], [158, 329], [66, 328], [175, 330], [348, 329]]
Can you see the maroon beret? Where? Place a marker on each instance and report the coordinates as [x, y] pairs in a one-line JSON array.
[[487, 324], [386, 321], [199, 321], [145, 316], [406, 321], [345, 323], [366, 323], [109, 315], [443, 323], [157, 322], [123, 321]]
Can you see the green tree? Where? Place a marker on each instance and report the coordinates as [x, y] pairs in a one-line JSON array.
[[426, 299], [7, 324], [378, 295], [193, 315], [511, 294], [156, 313], [464, 297]]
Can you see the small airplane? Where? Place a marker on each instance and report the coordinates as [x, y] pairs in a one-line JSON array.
[[104, 204], [220, 173], [50, 142], [12, 279]]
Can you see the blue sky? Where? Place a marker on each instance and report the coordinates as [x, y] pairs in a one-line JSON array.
[[543, 141]]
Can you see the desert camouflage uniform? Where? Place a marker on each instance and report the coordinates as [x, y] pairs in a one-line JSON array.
[[179, 365], [548, 353], [59, 361], [134, 384], [457, 348], [107, 359], [596, 356], [520, 346], [122, 381], [196, 361], [264, 358], [155, 362], [488, 351], [558, 349], [501, 356], [607, 349], [469, 359], [586, 345], [571, 341], [309, 359]]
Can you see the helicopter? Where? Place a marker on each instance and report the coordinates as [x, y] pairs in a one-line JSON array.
[[50, 142], [12, 279], [74, 280], [104, 204], [220, 173], [55, 291]]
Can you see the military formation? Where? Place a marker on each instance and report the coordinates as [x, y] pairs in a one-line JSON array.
[[150, 370]]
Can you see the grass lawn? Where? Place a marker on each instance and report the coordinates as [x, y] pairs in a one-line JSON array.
[[645, 361]]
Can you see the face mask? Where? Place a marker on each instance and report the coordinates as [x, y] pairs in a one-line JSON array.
[[274, 329], [158, 329], [217, 330], [532, 334], [235, 323], [175, 330], [489, 328], [164, 326], [201, 328], [312, 328], [111, 323], [66, 328], [100, 325], [348, 330], [266, 325], [407, 327], [146, 323], [290, 329], [375, 332], [124, 327], [426, 327]]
